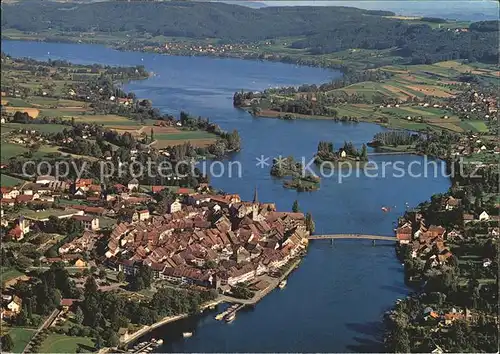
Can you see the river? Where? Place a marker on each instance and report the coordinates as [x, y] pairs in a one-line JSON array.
[[335, 300]]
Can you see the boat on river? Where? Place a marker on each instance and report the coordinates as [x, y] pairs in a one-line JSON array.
[[187, 334], [230, 317], [282, 284]]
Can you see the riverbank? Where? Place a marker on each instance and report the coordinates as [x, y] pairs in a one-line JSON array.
[[388, 121], [127, 339]]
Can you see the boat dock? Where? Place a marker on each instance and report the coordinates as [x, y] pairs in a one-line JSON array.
[[146, 347], [232, 309]]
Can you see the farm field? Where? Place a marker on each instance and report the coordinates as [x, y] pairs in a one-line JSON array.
[[33, 112], [476, 126], [11, 150], [59, 343], [21, 337], [42, 128], [9, 181]]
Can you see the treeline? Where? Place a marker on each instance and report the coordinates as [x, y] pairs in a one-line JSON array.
[[349, 78], [110, 312], [327, 152], [394, 138], [64, 66]]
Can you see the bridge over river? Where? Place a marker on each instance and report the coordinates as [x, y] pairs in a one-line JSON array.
[[352, 237]]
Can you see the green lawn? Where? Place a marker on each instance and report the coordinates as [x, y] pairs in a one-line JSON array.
[[42, 214], [11, 150], [16, 102], [59, 343], [49, 112], [105, 222], [9, 273], [9, 181], [20, 337], [475, 125], [42, 128]]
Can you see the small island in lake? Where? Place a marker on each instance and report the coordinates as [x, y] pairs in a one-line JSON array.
[[301, 180], [347, 153]]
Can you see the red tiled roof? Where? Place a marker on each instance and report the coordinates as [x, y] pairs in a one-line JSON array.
[[23, 198], [15, 232], [157, 189], [68, 302]]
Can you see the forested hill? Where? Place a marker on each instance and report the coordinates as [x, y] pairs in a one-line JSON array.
[[179, 19], [318, 30]]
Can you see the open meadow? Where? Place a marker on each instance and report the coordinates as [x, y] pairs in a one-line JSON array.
[[60, 343]]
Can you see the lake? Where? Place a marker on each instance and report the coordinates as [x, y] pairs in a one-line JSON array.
[[335, 300]]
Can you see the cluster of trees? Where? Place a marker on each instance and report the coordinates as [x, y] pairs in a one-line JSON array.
[[227, 142], [394, 138], [142, 279], [437, 144], [326, 152], [286, 167], [108, 312], [304, 106], [43, 296], [242, 292]]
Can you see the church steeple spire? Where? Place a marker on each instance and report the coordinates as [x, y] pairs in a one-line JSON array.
[[255, 198]]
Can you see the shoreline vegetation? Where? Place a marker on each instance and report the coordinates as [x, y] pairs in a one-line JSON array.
[[292, 172]]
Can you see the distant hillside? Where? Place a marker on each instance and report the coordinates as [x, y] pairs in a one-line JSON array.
[[318, 30], [176, 18]]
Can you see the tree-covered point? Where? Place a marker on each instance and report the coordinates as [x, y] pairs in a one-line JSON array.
[[326, 152], [323, 29]]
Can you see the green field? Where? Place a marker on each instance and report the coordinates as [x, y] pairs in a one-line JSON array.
[[9, 273], [59, 343], [15, 102], [185, 135], [60, 113], [11, 150], [476, 126], [9, 181], [31, 214], [42, 128], [21, 337]]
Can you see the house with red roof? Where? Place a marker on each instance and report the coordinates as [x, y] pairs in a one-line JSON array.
[[403, 234], [9, 193]]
